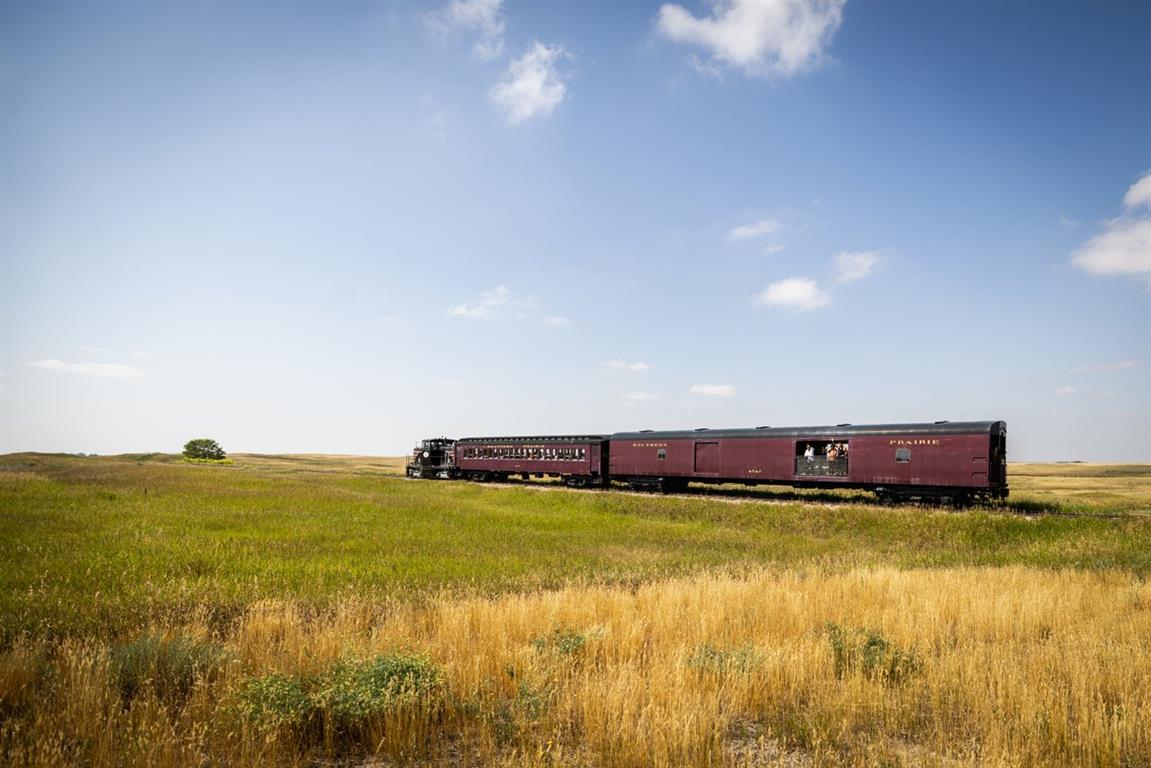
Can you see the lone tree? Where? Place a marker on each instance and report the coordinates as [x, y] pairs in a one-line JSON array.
[[203, 448]]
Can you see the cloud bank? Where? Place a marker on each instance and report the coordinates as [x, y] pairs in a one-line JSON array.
[[712, 390], [486, 307], [758, 38], [532, 85], [1124, 246], [755, 229], [852, 266], [99, 370], [800, 293], [484, 18]]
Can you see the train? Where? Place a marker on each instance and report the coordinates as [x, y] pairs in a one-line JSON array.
[[943, 461]]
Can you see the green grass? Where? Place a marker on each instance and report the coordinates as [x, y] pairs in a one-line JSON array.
[[101, 546]]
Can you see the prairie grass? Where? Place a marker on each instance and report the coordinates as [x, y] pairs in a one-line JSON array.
[[104, 546], [1011, 666], [321, 611]]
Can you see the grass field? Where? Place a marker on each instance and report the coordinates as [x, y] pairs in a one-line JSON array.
[[325, 610]]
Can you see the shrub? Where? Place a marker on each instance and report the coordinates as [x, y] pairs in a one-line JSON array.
[[563, 641], [708, 658], [350, 693], [354, 691], [170, 666], [204, 448], [868, 652], [277, 701]]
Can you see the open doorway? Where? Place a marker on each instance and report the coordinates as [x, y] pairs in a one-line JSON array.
[[822, 458]]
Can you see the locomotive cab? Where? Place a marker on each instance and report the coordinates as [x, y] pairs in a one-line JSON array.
[[433, 458]]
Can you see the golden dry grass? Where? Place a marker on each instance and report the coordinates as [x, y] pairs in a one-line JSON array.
[[1004, 666], [321, 462], [1117, 486]]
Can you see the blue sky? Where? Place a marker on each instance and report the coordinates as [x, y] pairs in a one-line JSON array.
[[341, 227]]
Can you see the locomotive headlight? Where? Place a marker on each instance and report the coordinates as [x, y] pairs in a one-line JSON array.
[[426, 454]]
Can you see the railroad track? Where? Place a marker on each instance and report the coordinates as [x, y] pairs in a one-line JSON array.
[[737, 496]]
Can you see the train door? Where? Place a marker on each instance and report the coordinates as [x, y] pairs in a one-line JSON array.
[[707, 458]]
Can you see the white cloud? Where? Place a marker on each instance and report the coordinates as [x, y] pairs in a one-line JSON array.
[[1122, 365], [755, 229], [1139, 193], [850, 266], [713, 390], [1068, 222], [101, 370], [556, 320], [1064, 391], [761, 39], [623, 365], [641, 396], [771, 250], [395, 321], [487, 305], [532, 86], [795, 292], [1124, 247], [482, 17]]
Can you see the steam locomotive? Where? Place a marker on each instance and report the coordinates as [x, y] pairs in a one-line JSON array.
[[949, 462]]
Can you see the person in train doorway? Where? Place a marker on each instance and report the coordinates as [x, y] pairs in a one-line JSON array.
[[809, 453]]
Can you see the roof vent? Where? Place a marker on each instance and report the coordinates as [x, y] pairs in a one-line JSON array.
[[944, 421], [702, 429], [844, 424], [765, 426], [646, 430]]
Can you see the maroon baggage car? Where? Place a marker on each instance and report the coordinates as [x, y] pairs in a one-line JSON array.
[[951, 462]]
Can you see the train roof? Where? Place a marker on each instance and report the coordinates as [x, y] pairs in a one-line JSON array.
[[559, 439], [836, 431]]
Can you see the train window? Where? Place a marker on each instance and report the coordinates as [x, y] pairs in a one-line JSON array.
[[902, 455], [661, 454]]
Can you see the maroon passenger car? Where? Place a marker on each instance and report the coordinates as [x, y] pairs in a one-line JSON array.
[[948, 461], [578, 459]]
